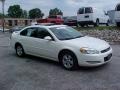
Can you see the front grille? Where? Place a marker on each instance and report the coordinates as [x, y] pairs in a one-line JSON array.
[[107, 58], [104, 51]]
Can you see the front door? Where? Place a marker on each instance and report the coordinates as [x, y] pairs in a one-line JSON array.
[[45, 47]]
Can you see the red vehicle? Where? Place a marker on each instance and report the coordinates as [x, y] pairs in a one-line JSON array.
[[52, 19]]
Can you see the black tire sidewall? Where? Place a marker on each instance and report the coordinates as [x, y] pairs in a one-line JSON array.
[[22, 51], [108, 23], [96, 24], [82, 25]]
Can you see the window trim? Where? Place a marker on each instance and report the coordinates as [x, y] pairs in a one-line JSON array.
[[48, 32], [53, 39], [88, 8], [83, 11], [117, 7], [22, 31]]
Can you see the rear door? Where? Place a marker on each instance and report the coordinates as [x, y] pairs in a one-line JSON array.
[[88, 14], [28, 39], [80, 15], [85, 14], [117, 13]]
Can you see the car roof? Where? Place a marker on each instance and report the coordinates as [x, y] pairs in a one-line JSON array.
[[51, 26], [87, 7]]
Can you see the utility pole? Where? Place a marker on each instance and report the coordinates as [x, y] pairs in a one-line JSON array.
[[3, 20]]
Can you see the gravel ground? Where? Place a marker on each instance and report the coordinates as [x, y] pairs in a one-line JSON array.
[[112, 36]]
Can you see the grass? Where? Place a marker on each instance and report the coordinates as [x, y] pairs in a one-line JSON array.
[[98, 28]]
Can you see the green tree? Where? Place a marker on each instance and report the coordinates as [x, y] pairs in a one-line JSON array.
[[5, 15], [15, 11], [55, 11], [24, 14], [3, 21], [35, 13], [1, 15], [3, 4]]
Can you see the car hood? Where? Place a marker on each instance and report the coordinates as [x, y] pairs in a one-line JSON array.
[[88, 42]]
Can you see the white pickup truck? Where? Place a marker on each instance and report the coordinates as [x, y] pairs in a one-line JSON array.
[[91, 16], [117, 15]]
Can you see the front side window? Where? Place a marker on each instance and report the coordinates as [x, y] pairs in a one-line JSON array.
[[81, 11], [31, 32], [118, 7], [66, 33], [36, 33], [42, 33]]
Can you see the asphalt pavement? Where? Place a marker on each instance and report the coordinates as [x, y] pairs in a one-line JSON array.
[[33, 73]]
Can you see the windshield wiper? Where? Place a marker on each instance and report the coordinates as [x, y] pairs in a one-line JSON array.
[[66, 38], [72, 38], [79, 36]]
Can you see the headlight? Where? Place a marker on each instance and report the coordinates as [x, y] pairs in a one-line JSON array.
[[89, 51]]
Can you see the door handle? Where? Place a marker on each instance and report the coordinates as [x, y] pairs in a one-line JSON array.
[[87, 16]]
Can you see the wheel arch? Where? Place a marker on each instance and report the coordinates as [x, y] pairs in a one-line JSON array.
[[65, 50], [97, 19], [16, 44]]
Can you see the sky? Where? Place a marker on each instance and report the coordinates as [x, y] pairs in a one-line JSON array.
[[69, 7]]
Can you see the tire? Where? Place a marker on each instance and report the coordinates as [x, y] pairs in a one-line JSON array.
[[118, 24], [78, 25], [82, 25], [108, 23], [97, 23], [19, 50], [68, 60]]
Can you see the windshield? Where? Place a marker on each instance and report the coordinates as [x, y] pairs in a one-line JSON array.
[[66, 33]]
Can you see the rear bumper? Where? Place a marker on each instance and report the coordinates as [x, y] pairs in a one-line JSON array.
[[86, 22], [71, 23]]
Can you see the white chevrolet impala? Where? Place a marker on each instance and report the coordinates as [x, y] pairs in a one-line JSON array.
[[61, 43]]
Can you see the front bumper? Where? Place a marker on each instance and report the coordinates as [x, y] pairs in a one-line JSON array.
[[91, 60]]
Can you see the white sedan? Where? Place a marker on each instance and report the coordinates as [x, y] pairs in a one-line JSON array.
[[61, 43]]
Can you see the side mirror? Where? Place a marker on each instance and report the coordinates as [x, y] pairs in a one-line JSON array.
[[48, 38]]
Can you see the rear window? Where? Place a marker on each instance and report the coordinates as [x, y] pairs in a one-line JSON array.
[[118, 7], [81, 11], [88, 10], [52, 16]]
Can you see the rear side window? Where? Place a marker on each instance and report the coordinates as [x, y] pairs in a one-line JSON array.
[[31, 32], [88, 10], [36, 33], [52, 16], [81, 11], [118, 7], [24, 32]]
